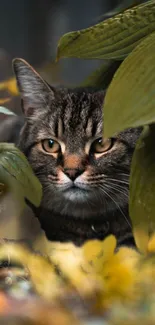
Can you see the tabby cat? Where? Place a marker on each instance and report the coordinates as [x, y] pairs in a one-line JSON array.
[[85, 177]]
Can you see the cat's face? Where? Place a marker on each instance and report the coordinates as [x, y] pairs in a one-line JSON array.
[[83, 174]]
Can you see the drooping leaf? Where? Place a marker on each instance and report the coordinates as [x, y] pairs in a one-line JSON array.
[[113, 38], [102, 77], [4, 110], [142, 188], [17, 176], [131, 95]]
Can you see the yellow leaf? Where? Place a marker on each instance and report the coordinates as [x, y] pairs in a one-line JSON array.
[[151, 244], [70, 261], [119, 274], [42, 273], [97, 252], [4, 100], [141, 238], [10, 85]]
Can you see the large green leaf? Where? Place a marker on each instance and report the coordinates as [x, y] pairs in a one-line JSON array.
[[102, 77], [142, 188], [113, 38], [18, 178], [131, 94]]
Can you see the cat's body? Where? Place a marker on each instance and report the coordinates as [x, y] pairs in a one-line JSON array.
[[85, 180]]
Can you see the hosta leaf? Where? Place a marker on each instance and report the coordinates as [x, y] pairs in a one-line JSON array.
[[102, 77], [17, 176], [4, 110], [142, 188], [131, 95], [113, 38]]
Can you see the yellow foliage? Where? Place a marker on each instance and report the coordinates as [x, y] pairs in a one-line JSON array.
[[10, 85], [40, 270], [116, 269], [101, 275], [70, 260], [97, 270], [151, 245], [4, 100], [96, 252]]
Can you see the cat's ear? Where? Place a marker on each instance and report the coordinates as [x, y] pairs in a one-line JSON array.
[[34, 91]]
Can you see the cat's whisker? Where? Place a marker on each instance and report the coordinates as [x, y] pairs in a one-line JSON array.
[[38, 173], [122, 185], [114, 187], [97, 195], [102, 177], [121, 174], [106, 193], [101, 197], [119, 190], [117, 180], [96, 176]]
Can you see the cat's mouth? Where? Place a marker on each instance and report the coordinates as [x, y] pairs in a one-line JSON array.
[[76, 192]]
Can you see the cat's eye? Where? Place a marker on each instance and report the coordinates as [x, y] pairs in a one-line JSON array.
[[51, 146], [101, 145]]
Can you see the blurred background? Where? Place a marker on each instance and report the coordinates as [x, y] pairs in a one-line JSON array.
[[30, 29]]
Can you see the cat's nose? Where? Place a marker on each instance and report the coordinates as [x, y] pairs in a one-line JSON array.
[[73, 173]]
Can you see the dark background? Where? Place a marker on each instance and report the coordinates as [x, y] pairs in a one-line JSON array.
[[31, 29]]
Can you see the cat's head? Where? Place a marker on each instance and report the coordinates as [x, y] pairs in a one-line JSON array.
[[83, 174]]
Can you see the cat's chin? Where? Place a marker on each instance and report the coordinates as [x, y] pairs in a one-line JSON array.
[[77, 202], [76, 194]]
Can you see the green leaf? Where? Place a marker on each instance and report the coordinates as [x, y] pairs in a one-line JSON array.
[[102, 77], [131, 94], [4, 110], [142, 188], [113, 38], [17, 176]]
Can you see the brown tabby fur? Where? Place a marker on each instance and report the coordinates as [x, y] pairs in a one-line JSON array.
[[85, 195]]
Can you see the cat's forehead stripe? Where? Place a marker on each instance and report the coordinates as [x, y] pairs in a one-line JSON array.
[[99, 127], [89, 127], [60, 128]]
